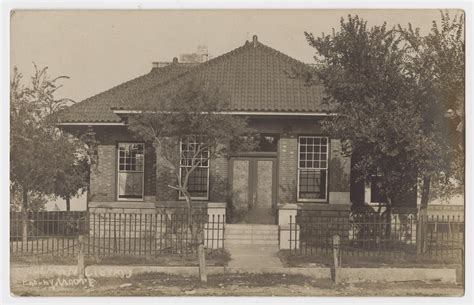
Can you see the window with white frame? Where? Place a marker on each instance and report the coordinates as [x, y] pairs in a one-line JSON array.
[[312, 168], [131, 160], [194, 154]]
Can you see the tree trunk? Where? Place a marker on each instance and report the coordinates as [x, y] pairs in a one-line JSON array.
[[68, 203], [24, 210], [425, 193], [189, 204], [423, 216], [388, 219]]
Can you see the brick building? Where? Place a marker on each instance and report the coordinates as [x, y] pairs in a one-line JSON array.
[[298, 167]]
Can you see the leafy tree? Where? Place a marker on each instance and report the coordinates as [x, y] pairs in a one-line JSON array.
[[73, 179], [40, 154], [37, 202], [437, 64], [384, 107], [188, 116]]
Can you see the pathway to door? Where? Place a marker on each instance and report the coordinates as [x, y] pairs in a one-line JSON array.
[[253, 247]]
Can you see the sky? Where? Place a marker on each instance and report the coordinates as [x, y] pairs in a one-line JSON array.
[[100, 49], [103, 48]]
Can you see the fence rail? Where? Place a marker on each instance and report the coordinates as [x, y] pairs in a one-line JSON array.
[[373, 234], [168, 232]]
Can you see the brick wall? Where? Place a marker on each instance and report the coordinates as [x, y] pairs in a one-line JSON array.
[[103, 175], [103, 181], [287, 168], [218, 183]]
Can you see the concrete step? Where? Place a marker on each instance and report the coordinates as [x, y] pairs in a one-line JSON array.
[[251, 229], [254, 232], [251, 234], [252, 250], [250, 226], [251, 242], [239, 235]]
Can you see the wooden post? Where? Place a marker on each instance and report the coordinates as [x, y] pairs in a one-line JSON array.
[[80, 258], [336, 243], [202, 263], [420, 234]]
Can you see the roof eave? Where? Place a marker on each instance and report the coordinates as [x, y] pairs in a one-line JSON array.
[[91, 124], [249, 113]]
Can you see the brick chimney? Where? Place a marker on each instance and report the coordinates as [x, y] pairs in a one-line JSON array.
[[255, 41]]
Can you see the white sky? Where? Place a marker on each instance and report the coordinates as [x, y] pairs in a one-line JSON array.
[[100, 49]]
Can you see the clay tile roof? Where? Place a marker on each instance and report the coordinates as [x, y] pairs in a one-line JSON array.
[[98, 108], [255, 77]]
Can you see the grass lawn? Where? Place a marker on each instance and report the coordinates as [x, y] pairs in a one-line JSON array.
[[159, 284], [292, 259]]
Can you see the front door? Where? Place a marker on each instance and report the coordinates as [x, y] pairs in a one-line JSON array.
[[253, 189]]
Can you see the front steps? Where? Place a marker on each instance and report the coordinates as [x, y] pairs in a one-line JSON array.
[[253, 247], [251, 234]]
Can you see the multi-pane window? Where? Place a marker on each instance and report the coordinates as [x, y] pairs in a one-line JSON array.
[[131, 160], [312, 168], [194, 154]]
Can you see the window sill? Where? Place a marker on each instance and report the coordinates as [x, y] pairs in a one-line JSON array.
[[123, 205], [322, 201]]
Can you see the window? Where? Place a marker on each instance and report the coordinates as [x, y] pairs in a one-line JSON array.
[[198, 181], [131, 160], [312, 168]]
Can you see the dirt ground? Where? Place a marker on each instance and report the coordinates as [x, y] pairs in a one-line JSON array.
[[158, 284]]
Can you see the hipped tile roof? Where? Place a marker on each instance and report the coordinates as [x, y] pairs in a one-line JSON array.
[[254, 76]]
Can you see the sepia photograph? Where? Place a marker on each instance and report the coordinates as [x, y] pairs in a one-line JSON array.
[[237, 152]]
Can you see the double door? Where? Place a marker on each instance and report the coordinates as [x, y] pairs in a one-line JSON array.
[[254, 188]]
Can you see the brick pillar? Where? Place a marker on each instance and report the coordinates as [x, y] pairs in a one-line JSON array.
[[103, 175], [287, 168], [218, 179]]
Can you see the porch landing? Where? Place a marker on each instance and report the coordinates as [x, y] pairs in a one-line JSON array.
[[252, 246]]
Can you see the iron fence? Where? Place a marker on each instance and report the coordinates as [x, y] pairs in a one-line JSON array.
[[46, 232], [167, 232], [373, 234]]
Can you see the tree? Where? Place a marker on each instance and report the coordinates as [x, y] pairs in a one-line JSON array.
[[375, 91], [437, 63], [361, 70], [72, 180], [188, 129], [36, 202], [39, 151]]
